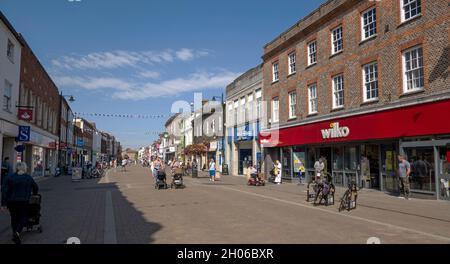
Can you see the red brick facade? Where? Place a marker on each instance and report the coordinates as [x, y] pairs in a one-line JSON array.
[[38, 89], [430, 30]]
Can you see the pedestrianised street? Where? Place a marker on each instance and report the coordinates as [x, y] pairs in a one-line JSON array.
[[125, 208]]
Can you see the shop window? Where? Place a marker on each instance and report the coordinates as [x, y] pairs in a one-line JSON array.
[[422, 177], [351, 158], [338, 159], [444, 172]]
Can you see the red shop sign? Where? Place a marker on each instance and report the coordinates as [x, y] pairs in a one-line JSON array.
[[25, 114], [418, 120]]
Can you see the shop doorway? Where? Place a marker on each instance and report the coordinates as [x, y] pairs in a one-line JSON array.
[[389, 166], [326, 152], [245, 160], [371, 152], [444, 173]]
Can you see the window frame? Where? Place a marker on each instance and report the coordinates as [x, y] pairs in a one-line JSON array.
[[310, 63], [275, 72], [292, 64], [363, 26], [403, 12], [334, 91], [10, 47], [277, 100], [333, 41], [365, 83], [405, 73], [7, 106], [292, 114], [310, 99]]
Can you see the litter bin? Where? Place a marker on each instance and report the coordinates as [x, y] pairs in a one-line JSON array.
[[225, 169], [76, 174], [194, 172]]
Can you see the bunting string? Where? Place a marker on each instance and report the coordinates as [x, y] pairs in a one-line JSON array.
[[138, 116]]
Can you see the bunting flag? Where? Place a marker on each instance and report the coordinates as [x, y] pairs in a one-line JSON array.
[[137, 116]]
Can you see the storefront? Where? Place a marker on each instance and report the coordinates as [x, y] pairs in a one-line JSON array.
[[365, 148], [40, 154]]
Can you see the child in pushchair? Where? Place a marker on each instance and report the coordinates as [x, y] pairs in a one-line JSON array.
[[161, 180], [177, 178]]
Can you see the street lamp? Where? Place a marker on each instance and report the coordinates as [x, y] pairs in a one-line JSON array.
[[223, 129], [71, 100]]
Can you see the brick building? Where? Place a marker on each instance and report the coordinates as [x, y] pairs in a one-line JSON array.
[[357, 79], [38, 91]]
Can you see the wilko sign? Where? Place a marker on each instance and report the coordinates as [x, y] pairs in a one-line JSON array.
[[25, 114], [335, 131]]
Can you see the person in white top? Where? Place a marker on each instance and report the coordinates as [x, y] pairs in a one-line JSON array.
[[212, 169], [278, 174]]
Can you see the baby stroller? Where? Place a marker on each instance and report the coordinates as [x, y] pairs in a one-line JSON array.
[[34, 214], [161, 181], [177, 179], [255, 180]]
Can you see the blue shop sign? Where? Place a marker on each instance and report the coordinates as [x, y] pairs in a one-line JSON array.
[[80, 142]]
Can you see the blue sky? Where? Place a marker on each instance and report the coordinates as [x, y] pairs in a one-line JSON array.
[[139, 56]]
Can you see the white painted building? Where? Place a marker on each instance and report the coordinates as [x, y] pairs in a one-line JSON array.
[[10, 59]]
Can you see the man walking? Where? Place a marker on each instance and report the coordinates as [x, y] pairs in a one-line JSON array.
[[404, 170]]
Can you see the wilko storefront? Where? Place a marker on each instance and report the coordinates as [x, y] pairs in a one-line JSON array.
[[364, 148]]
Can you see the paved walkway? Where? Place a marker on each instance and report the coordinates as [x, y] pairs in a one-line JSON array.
[[124, 208]]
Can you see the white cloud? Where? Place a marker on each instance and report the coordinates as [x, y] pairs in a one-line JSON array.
[[125, 90], [150, 74], [185, 54], [94, 83], [119, 59]]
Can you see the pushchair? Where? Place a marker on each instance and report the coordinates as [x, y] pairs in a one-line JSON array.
[[255, 180], [161, 181], [34, 214], [177, 179]]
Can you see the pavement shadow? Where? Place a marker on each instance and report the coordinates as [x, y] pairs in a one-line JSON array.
[[82, 210]]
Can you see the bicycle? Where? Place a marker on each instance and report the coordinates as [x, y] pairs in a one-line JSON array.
[[348, 200], [321, 190]]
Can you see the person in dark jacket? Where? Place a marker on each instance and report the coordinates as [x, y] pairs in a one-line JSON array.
[[16, 194]]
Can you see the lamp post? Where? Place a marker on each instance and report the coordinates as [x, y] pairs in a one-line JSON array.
[[222, 150], [71, 100]]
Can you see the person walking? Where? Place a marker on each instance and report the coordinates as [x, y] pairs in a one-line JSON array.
[[301, 172], [212, 170], [404, 170], [319, 168], [124, 164], [278, 173], [6, 170], [16, 194]]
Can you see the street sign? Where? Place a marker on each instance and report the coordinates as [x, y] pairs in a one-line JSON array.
[[24, 133], [80, 142], [25, 114]]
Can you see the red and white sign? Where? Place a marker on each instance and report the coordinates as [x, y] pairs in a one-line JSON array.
[[25, 114], [412, 121]]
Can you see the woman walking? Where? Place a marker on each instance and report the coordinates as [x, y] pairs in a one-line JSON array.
[[277, 172], [16, 194], [212, 170]]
